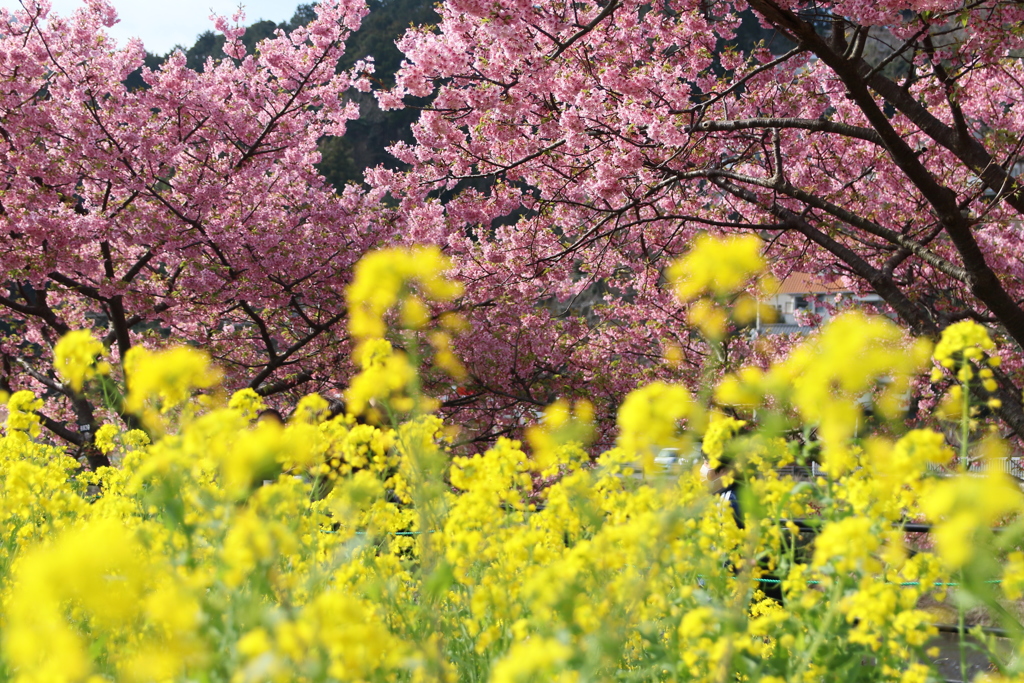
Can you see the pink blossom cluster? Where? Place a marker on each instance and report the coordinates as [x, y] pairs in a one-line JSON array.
[[189, 209], [571, 145]]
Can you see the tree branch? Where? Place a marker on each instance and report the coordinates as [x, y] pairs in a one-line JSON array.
[[982, 280], [283, 385], [605, 13], [814, 125]]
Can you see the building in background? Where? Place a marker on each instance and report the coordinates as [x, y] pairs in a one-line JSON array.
[[803, 302]]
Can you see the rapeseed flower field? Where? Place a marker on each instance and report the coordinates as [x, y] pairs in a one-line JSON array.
[[224, 547]]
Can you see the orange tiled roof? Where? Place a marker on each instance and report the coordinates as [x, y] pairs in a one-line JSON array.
[[804, 283]]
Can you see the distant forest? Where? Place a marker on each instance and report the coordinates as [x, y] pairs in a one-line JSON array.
[[364, 145]]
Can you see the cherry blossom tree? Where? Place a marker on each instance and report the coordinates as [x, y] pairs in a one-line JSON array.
[[575, 147], [187, 210]]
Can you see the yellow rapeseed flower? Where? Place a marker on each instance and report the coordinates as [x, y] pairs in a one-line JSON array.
[[964, 339], [169, 377], [559, 438], [76, 358], [110, 578], [311, 409], [383, 278], [532, 659], [650, 417], [828, 375], [387, 375], [21, 413], [963, 508], [1012, 584], [710, 318], [248, 402], [720, 429], [846, 545], [104, 438], [716, 266]]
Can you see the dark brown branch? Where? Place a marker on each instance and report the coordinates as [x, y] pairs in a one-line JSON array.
[[39, 310], [48, 382], [959, 121], [920, 320], [135, 320], [498, 167], [253, 149], [87, 291], [283, 385], [717, 96], [605, 13], [814, 125], [982, 280], [138, 266], [845, 215], [281, 359], [61, 430], [261, 325], [968, 150]]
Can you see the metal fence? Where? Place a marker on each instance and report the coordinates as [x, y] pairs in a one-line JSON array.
[[1013, 466]]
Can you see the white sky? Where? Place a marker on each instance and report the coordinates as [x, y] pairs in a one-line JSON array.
[[162, 24]]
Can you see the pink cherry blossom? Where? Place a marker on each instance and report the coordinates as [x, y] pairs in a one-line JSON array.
[[574, 148], [189, 210]]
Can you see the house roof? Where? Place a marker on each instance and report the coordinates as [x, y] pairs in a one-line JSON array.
[[804, 283]]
